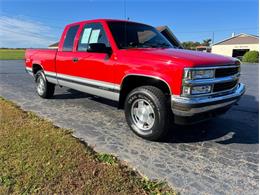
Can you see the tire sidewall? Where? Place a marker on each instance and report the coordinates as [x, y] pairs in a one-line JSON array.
[[158, 125], [40, 75]]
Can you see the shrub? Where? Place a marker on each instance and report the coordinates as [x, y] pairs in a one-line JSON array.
[[251, 56]]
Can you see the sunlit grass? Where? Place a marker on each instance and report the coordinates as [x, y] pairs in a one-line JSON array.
[[11, 54]]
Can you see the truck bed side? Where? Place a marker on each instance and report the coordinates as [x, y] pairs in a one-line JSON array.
[[40, 57]]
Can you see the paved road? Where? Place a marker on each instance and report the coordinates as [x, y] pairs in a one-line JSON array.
[[216, 157]]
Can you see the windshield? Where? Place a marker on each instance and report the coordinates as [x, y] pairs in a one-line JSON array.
[[135, 35]]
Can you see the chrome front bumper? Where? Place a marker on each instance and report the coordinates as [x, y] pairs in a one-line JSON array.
[[187, 107]]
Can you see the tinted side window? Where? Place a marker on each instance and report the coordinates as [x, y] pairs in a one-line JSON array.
[[69, 39], [92, 33]]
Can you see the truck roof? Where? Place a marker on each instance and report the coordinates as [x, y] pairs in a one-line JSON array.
[[102, 20]]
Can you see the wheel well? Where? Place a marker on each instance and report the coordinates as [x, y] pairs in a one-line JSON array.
[[131, 82], [36, 68]]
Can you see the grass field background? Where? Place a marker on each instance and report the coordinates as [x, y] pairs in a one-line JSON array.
[[12, 54]]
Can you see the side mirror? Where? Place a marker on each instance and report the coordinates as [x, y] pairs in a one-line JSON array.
[[99, 48]]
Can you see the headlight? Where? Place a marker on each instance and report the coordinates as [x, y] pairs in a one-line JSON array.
[[199, 74], [196, 90]]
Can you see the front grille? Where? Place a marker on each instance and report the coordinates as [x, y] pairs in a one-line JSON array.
[[224, 86], [224, 72], [225, 81]]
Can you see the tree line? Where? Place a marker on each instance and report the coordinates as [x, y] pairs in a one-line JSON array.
[[192, 45]]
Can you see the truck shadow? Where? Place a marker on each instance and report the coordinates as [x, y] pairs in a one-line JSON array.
[[238, 125], [221, 130], [70, 94], [74, 94]]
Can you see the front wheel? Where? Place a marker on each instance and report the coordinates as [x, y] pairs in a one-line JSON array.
[[43, 87], [146, 112]]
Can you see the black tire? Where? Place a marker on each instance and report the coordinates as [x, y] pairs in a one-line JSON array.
[[148, 97], [47, 89]]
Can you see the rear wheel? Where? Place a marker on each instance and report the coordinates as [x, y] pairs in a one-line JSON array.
[[147, 112], [43, 87]]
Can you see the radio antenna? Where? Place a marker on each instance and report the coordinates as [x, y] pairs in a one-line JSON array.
[[125, 11]]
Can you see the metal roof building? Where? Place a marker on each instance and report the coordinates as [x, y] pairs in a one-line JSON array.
[[237, 45]]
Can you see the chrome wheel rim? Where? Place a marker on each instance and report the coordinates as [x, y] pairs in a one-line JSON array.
[[40, 86], [142, 115]]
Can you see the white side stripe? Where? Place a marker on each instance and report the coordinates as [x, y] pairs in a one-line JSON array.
[[90, 81], [95, 91], [28, 68], [52, 76], [50, 73]]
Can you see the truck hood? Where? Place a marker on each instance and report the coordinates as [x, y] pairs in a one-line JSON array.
[[180, 56]]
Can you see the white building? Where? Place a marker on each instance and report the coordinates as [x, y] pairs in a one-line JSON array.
[[236, 46]]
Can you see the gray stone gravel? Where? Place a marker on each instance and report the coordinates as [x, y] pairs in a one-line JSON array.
[[216, 157]]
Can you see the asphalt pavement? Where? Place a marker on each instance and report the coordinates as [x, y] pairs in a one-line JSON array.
[[216, 157]]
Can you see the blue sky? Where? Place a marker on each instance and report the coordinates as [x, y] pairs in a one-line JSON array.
[[37, 23]]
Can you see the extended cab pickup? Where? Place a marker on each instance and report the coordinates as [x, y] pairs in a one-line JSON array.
[[137, 66]]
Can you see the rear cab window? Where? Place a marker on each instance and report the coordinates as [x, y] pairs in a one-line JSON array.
[[69, 38]]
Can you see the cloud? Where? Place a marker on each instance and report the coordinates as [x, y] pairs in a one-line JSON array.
[[18, 32]]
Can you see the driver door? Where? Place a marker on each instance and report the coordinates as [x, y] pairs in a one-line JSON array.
[[91, 72]]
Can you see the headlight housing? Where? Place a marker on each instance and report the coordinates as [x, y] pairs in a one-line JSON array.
[[196, 90], [199, 74], [191, 74]]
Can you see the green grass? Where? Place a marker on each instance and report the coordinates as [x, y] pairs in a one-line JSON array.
[[106, 158], [12, 54], [38, 158]]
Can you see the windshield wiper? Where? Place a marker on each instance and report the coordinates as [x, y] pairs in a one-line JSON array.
[[164, 45], [135, 45], [147, 45], [158, 45]]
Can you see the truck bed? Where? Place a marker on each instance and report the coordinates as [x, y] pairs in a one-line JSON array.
[[43, 57]]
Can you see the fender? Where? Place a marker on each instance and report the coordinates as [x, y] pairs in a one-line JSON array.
[[167, 81], [49, 76], [37, 63]]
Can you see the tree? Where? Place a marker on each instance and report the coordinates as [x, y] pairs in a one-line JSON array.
[[251, 56], [192, 44], [206, 42]]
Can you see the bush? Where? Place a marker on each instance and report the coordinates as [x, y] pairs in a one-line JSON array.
[[251, 56]]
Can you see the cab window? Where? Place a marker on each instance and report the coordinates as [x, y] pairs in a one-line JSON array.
[[92, 33], [69, 39]]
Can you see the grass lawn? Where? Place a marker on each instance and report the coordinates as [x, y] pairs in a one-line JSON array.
[[37, 157], [11, 54]]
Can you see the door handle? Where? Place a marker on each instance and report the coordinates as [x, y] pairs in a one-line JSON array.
[[75, 59]]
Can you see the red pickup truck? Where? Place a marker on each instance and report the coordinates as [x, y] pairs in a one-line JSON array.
[[134, 64]]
